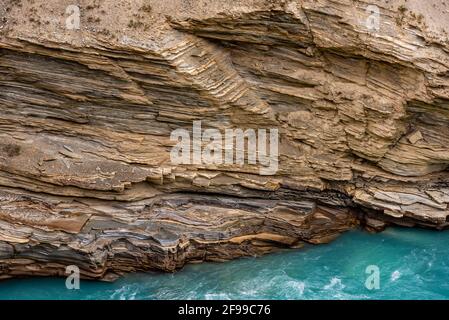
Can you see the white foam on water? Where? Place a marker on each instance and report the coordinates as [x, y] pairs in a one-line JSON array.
[[335, 283], [297, 286], [395, 275], [217, 296], [124, 293]]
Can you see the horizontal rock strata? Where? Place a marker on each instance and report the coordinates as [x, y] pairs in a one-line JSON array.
[[86, 176]]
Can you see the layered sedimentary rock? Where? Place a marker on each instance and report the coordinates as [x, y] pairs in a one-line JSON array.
[[87, 114]]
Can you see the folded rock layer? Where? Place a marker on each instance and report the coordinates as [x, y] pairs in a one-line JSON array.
[[86, 173]]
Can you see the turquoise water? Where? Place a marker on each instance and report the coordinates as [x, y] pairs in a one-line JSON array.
[[413, 264]]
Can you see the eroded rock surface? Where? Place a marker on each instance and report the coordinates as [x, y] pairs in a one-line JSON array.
[[86, 116]]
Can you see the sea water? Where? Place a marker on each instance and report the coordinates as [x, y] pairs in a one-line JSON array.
[[412, 264]]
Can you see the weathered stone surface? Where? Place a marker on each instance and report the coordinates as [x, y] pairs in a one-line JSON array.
[[86, 118]]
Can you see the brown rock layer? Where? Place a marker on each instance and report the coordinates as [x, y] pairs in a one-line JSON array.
[[86, 117]]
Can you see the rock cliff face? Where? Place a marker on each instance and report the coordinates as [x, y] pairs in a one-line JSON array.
[[87, 114]]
